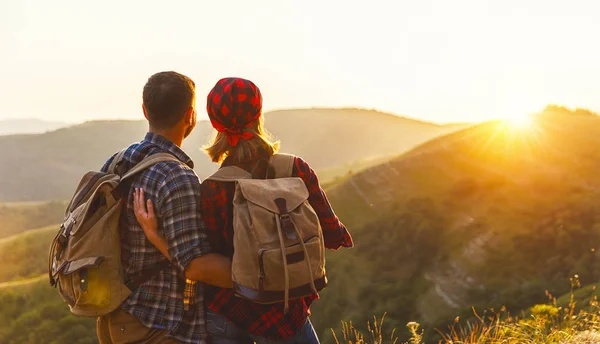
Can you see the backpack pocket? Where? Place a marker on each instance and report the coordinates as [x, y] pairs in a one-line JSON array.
[[86, 285], [73, 279], [272, 268]]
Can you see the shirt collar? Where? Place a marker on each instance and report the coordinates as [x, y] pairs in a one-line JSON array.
[[170, 147]]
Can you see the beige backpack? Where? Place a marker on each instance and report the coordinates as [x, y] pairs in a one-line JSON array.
[[85, 256], [279, 252]]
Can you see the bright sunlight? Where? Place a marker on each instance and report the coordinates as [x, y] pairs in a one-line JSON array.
[[520, 122]]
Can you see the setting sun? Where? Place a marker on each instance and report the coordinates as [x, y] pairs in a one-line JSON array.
[[520, 122]]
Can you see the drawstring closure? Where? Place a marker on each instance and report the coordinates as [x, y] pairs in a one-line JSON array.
[[286, 306], [284, 256]]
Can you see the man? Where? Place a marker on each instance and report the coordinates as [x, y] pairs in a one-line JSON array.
[[167, 308]]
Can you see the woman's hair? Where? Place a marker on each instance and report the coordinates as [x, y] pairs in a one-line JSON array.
[[261, 144]]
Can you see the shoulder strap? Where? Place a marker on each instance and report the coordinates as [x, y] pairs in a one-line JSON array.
[[149, 161], [283, 165], [112, 168], [230, 174]]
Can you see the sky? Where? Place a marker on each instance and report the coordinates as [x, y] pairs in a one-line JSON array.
[[438, 60]]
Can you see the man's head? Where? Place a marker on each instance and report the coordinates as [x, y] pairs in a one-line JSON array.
[[170, 103]]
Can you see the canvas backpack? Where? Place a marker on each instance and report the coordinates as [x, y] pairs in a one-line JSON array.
[[85, 256], [279, 252]]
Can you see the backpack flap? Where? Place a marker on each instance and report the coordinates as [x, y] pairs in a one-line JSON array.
[[265, 192], [279, 197]]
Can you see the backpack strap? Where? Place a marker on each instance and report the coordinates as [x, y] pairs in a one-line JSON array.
[[149, 161], [283, 165], [230, 174], [112, 168], [135, 281]]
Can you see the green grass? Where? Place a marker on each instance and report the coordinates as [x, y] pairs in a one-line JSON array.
[[25, 255], [34, 313], [540, 324]]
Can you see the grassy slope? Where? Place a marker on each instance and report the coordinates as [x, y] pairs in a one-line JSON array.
[[487, 216], [25, 255], [34, 313], [16, 218]]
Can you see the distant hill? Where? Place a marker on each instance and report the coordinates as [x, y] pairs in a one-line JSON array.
[[28, 126], [329, 138], [48, 166], [487, 216]]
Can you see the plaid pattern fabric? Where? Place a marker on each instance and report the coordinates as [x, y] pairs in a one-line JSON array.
[[233, 105], [267, 321], [167, 301]]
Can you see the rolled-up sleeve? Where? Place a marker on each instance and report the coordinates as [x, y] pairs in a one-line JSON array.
[[178, 208]]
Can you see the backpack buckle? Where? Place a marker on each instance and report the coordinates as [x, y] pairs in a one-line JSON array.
[[286, 221], [288, 226]]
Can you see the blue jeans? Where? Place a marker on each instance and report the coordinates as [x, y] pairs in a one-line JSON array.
[[223, 331]]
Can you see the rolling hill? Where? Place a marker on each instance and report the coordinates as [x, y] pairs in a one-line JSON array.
[[489, 216], [28, 126], [48, 166], [25, 255], [16, 218]]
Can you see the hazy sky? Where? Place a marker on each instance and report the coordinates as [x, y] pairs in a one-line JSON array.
[[439, 60]]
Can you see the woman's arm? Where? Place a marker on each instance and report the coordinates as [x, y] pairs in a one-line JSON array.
[[211, 268], [149, 222], [334, 232]]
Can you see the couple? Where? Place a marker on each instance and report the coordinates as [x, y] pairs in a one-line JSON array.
[[171, 215]]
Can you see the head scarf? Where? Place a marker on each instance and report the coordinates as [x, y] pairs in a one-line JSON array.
[[232, 106]]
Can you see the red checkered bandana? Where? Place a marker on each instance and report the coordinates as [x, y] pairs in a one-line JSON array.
[[232, 106]]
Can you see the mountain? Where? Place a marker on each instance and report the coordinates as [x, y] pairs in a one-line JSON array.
[[28, 126], [489, 216], [48, 166]]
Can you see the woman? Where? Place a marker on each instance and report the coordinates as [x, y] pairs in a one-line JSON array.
[[234, 107]]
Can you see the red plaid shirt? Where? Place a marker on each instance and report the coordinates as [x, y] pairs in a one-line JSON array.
[[262, 320]]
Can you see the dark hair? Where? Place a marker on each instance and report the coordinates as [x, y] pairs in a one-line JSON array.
[[167, 96]]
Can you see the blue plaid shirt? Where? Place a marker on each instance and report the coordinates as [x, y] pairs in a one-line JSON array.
[[167, 301]]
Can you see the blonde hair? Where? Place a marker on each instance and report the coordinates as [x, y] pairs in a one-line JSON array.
[[261, 144]]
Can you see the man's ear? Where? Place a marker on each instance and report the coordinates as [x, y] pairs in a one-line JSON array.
[[145, 113], [189, 116]]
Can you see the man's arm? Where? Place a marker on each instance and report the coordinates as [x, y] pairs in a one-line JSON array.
[[183, 229]]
